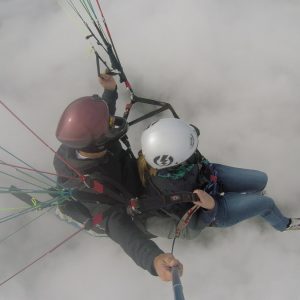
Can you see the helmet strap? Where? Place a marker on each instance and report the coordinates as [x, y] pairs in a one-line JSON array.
[[111, 121], [93, 155]]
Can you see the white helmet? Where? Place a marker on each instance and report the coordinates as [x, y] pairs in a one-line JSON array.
[[168, 142]]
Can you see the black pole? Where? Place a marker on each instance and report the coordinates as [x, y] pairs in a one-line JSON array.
[[177, 285]]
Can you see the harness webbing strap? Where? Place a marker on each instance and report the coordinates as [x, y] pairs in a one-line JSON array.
[[97, 219], [98, 187], [185, 220]]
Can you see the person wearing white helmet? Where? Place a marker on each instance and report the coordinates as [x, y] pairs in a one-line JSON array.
[[170, 164]]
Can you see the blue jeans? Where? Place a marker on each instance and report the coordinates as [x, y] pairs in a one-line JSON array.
[[243, 199]]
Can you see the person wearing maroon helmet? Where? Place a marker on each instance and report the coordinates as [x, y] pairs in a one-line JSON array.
[[90, 134]]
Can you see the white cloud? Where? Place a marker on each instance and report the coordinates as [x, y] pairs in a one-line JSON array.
[[230, 67]]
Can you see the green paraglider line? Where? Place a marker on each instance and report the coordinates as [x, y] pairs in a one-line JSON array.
[[37, 171], [39, 206], [12, 208], [72, 5], [33, 177], [22, 161], [89, 9], [6, 190], [115, 62], [50, 204]]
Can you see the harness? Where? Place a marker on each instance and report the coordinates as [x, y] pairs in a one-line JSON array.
[[207, 180]]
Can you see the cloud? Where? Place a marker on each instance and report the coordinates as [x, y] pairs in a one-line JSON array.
[[231, 68]]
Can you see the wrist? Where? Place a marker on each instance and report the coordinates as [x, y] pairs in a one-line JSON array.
[[211, 206], [111, 89]]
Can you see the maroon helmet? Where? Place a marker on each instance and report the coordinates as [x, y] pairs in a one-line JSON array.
[[85, 125]]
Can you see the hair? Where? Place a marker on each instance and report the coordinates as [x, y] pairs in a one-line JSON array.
[[144, 169]]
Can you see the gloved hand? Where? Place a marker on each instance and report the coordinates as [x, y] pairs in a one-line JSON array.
[[107, 82]]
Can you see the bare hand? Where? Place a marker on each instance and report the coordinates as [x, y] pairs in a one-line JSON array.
[[163, 264], [205, 200], [107, 82]]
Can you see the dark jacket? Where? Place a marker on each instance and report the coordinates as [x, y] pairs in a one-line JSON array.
[[197, 177], [114, 169]]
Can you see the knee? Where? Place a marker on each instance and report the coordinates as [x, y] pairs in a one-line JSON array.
[[268, 202], [263, 180]]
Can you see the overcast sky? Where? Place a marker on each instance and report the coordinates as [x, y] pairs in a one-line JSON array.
[[230, 67]]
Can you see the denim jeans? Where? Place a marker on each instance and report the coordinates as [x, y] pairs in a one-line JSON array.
[[243, 199]]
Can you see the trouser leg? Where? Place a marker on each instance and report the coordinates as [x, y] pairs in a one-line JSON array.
[[234, 208], [240, 180]]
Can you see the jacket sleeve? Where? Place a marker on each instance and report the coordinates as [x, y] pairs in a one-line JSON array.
[[110, 97], [121, 229]]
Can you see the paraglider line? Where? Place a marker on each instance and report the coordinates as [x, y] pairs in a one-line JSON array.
[[25, 225], [39, 138], [43, 255], [35, 170]]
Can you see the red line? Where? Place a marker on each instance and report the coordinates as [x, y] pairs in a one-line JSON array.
[[100, 9], [104, 21], [42, 256], [35, 170], [40, 139]]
